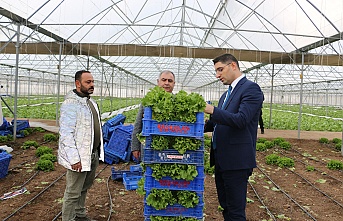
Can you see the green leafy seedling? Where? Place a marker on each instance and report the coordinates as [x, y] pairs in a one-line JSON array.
[[323, 140], [310, 168], [335, 165], [43, 150], [50, 137], [29, 143]]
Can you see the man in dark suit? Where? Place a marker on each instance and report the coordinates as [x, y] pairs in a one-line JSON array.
[[234, 125]]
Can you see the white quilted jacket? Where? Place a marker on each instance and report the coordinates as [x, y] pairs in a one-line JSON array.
[[76, 132]]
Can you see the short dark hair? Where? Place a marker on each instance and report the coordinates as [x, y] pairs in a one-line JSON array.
[[78, 74], [166, 71], [226, 58]]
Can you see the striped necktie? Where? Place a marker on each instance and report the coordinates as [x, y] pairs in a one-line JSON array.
[[214, 145], [227, 97]]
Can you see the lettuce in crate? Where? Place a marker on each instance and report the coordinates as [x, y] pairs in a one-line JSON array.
[[168, 107]]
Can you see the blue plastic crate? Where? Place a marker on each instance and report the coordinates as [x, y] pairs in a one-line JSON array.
[[110, 158], [172, 128], [5, 159], [5, 132], [119, 143], [173, 156], [21, 125], [168, 183], [109, 126], [149, 139], [136, 168], [5, 124], [118, 174], [176, 209], [107, 131], [130, 181], [119, 119], [148, 219], [105, 134]]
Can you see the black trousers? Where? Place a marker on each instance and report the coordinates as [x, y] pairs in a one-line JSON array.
[[232, 191]]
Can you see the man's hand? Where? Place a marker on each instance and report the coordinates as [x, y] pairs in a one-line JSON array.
[[136, 154], [77, 167], [209, 109]]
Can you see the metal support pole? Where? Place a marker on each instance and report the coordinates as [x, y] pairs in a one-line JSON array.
[[43, 82], [16, 82], [7, 86], [271, 100], [112, 86], [29, 87], [301, 93], [327, 100], [59, 82], [102, 81]]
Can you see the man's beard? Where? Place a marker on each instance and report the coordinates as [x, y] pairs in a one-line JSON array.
[[86, 91]]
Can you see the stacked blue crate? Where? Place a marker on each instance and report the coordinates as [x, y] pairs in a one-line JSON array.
[[5, 159], [107, 131], [119, 174], [4, 128], [171, 155], [21, 125], [173, 128], [130, 177], [7, 128], [118, 147], [109, 126], [4, 125], [195, 157]]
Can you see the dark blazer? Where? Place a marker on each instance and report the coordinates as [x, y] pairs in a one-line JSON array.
[[236, 127]]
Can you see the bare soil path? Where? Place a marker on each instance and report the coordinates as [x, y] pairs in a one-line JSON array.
[[266, 192]]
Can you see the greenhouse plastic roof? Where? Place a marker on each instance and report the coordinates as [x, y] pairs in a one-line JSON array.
[[142, 38]]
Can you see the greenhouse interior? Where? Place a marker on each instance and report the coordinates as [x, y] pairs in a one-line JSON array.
[[293, 50]]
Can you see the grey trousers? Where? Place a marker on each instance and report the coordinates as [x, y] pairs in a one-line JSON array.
[[77, 185]]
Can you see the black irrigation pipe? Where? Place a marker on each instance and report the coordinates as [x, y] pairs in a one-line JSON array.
[[110, 199], [60, 213], [261, 201], [19, 165], [109, 192], [29, 179], [321, 171], [319, 190], [293, 200], [28, 202], [341, 171]]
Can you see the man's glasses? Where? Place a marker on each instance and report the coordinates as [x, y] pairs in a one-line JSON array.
[[220, 69]]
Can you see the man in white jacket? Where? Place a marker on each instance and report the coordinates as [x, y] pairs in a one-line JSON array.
[[80, 145]]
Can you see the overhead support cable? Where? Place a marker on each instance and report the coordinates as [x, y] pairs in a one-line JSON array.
[[68, 44], [318, 29], [211, 24]]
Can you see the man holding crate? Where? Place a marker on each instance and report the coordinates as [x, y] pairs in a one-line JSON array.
[[166, 80]]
